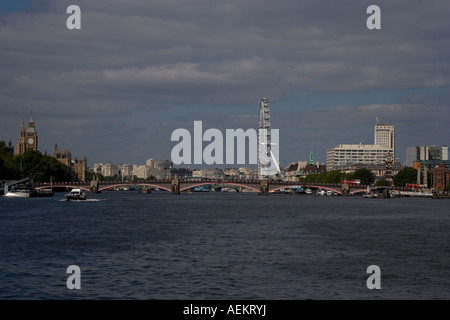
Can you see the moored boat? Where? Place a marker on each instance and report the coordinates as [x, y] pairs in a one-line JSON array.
[[24, 189], [19, 193]]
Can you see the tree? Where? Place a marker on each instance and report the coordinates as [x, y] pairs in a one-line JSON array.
[[382, 182], [348, 176], [90, 176], [40, 168], [8, 168], [310, 178], [31, 164], [404, 176], [3, 169], [365, 176], [333, 176]]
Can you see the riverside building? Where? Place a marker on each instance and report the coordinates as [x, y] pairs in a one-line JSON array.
[[345, 155]]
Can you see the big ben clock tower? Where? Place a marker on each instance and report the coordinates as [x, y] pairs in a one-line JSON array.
[[28, 139], [31, 135]]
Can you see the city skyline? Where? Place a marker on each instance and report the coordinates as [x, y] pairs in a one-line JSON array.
[[115, 90]]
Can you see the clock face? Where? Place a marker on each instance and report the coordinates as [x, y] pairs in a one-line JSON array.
[[30, 141]]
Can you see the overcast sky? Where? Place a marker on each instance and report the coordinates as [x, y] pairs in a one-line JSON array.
[[115, 90]]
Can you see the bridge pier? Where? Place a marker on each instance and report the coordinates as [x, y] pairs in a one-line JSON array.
[[345, 187], [175, 186], [264, 187], [94, 186]]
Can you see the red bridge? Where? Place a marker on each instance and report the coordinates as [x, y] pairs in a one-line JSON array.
[[175, 186]]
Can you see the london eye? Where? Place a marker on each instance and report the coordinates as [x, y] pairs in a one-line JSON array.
[[267, 163]]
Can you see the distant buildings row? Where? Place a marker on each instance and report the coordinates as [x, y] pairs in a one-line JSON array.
[[343, 157], [158, 169], [432, 159], [384, 145], [302, 169], [378, 157], [163, 169]]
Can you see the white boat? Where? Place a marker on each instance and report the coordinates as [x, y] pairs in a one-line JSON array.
[[27, 191], [369, 195], [76, 194], [19, 193]]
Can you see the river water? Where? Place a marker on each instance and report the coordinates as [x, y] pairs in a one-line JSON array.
[[222, 245]]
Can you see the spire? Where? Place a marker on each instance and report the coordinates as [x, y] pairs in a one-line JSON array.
[[31, 125], [22, 128], [31, 121], [311, 157]]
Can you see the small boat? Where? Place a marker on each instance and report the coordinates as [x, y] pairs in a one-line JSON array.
[[44, 193], [145, 190], [370, 195], [76, 194]]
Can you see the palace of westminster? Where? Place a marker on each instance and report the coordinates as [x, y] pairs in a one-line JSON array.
[[28, 139]]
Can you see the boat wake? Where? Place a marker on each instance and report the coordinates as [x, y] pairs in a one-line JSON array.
[[87, 200]]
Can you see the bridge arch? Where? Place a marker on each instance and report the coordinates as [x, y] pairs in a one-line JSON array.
[[357, 191], [284, 187], [134, 184], [323, 187], [64, 186], [222, 183]]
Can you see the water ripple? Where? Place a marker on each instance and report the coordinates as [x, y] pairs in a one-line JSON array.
[[224, 246]]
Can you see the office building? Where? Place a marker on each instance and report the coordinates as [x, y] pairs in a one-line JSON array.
[[428, 152], [385, 135], [345, 155], [350, 155]]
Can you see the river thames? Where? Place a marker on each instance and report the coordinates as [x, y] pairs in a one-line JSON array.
[[222, 245]]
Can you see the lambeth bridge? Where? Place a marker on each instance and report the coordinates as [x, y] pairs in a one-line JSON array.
[[175, 186]]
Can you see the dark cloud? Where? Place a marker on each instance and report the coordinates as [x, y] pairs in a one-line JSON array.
[[139, 69]]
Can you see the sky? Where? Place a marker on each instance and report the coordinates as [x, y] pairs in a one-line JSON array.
[[115, 90]]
